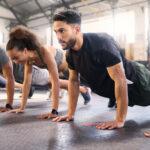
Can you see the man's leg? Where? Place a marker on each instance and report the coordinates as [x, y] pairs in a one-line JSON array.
[[84, 90], [142, 89], [32, 89], [86, 93], [111, 103]]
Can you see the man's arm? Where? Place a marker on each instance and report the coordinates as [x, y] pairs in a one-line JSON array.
[[73, 93], [8, 74], [117, 74]]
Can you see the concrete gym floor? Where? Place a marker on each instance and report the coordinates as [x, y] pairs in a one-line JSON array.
[[26, 132]]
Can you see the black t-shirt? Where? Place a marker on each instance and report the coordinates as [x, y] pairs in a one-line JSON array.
[[98, 52]]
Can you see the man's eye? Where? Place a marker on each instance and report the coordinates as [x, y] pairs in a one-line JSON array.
[[62, 31]]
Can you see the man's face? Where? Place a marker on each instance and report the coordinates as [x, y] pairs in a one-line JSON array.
[[66, 34]]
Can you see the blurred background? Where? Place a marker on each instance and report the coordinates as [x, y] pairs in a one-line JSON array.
[[128, 21]]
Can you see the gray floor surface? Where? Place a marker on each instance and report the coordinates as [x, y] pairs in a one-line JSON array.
[[26, 132]]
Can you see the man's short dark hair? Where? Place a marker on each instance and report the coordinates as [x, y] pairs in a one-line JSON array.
[[68, 16]]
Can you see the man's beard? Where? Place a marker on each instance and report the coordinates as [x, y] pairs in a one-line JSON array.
[[70, 44]]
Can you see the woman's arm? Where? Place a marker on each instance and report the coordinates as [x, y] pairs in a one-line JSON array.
[[49, 60], [26, 88], [73, 93]]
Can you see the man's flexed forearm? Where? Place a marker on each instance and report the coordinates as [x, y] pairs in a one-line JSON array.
[[73, 90], [121, 99], [121, 94], [117, 74]]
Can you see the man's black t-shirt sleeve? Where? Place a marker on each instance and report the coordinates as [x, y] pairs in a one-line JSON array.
[[108, 52], [105, 51]]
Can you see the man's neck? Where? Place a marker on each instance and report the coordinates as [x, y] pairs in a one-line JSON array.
[[79, 42]]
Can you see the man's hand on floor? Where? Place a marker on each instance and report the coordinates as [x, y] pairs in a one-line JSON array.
[[110, 125]]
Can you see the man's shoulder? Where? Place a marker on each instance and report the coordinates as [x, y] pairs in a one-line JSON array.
[[101, 35], [97, 40]]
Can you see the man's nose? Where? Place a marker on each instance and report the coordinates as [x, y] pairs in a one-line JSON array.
[[59, 37]]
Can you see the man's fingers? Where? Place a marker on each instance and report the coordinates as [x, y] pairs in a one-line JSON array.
[[110, 125], [100, 125], [106, 126]]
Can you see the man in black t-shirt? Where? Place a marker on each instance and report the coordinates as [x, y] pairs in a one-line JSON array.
[[96, 59]]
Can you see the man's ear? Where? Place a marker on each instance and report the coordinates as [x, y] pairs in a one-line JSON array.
[[78, 28]]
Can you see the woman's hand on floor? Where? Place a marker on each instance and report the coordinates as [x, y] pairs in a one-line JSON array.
[[63, 118], [18, 110], [4, 109], [47, 116]]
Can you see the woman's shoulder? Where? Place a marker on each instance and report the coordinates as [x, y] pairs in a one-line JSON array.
[[45, 49]]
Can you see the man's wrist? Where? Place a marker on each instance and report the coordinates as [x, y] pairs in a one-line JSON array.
[[120, 120]]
